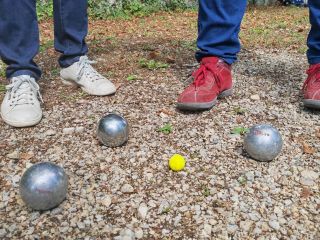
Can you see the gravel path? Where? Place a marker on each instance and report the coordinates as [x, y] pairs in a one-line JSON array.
[[129, 193]]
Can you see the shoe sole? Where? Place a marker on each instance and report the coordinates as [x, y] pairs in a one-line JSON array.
[[314, 104], [22, 124], [203, 106], [74, 84]]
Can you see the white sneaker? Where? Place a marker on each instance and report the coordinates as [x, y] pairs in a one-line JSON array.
[[82, 74], [21, 106]]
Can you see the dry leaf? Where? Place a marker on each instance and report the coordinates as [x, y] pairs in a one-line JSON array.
[[307, 149], [26, 156], [305, 193], [166, 111]]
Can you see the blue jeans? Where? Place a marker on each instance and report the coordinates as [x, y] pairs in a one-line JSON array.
[[19, 34], [219, 25]]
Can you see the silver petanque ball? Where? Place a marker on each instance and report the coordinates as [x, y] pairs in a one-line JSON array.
[[113, 130], [43, 186], [263, 142]]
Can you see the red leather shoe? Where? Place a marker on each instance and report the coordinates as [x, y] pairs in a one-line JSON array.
[[311, 87], [212, 80]]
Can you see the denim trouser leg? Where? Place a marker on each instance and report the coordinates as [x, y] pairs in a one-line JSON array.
[[19, 37], [70, 30], [313, 53], [218, 28], [19, 34]]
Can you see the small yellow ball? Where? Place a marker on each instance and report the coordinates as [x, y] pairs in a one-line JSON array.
[[177, 162]]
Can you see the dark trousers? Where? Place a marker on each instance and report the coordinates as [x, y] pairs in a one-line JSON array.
[[19, 34], [219, 25]]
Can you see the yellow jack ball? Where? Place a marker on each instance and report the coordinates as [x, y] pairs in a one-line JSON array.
[[177, 162]]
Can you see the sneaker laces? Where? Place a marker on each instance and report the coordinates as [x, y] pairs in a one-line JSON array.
[[314, 69], [22, 89], [87, 70], [201, 73]]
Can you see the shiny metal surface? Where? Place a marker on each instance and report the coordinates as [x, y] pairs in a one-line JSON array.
[[43, 186], [113, 130], [263, 142]]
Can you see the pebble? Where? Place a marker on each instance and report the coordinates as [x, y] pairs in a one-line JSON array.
[[50, 132], [138, 233], [79, 129], [68, 131], [142, 210], [308, 177], [3, 232], [246, 225], [255, 97], [274, 224], [14, 155], [127, 188], [106, 201]]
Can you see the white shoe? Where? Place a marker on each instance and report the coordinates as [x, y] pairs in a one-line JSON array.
[[82, 74], [21, 106]]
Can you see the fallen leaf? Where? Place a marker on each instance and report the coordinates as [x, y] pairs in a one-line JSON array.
[[307, 148], [166, 111], [26, 156], [305, 193]]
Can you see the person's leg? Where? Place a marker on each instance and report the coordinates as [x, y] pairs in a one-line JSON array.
[[314, 35], [19, 37], [311, 87], [70, 30], [218, 28]]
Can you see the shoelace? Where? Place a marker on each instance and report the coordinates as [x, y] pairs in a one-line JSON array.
[[201, 73], [315, 69], [22, 89], [87, 70]]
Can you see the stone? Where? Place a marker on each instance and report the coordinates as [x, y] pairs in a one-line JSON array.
[[274, 224], [308, 177], [246, 225], [50, 132], [143, 210], [14, 155], [255, 97], [68, 131], [127, 188], [138, 233], [79, 129], [106, 201]]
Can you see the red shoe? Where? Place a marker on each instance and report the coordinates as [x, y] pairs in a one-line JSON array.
[[212, 80], [311, 87]]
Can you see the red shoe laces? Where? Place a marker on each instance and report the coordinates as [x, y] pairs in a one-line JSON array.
[[314, 69], [200, 75]]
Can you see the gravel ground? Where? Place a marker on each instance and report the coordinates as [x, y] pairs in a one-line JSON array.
[[129, 193]]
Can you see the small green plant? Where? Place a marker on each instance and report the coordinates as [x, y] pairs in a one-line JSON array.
[[242, 180], [206, 192], [152, 64], [2, 69], [166, 129], [239, 130], [46, 45], [239, 110], [44, 9], [2, 88], [132, 77], [166, 210]]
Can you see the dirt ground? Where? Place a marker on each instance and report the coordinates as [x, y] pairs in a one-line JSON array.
[[129, 192]]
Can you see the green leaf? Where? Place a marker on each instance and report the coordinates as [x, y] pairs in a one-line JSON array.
[[239, 130], [166, 129], [132, 77]]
